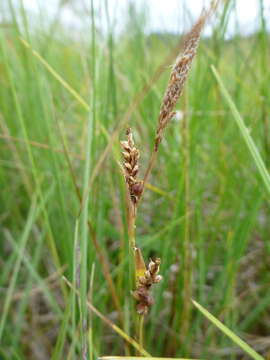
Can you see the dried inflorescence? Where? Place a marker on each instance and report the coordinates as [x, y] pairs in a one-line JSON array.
[[178, 77], [131, 156], [142, 293]]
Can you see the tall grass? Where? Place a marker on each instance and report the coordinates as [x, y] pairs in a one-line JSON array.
[[64, 104]]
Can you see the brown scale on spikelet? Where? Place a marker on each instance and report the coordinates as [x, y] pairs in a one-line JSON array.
[[178, 77], [131, 156], [144, 283]]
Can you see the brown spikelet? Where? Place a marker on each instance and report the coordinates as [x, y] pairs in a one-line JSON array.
[[131, 167], [178, 76], [144, 283]]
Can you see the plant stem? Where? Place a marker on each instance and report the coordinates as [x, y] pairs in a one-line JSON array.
[[132, 240], [131, 225], [140, 331], [187, 271], [132, 246]]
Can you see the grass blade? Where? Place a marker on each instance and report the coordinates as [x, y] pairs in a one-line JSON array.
[[22, 245], [244, 132], [235, 338]]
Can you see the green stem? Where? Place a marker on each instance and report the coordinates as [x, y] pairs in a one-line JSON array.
[[187, 271], [141, 323]]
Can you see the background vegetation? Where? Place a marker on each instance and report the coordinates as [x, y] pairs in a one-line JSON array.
[[63, 109]]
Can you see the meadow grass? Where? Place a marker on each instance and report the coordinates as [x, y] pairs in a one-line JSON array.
[[64, 104]]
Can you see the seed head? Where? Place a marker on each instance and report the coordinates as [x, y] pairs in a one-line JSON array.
[[131, 156], [142, 294], [178, 77]]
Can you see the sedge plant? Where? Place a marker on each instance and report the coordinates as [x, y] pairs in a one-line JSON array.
[[146, 276]]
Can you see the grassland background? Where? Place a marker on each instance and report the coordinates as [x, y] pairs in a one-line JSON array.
[[206, 199]]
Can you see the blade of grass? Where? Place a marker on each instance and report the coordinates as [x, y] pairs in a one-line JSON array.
[[27, 261], [90, 331], [244, 132], [56, 75], [89, 150], [59, 346], [235, 338], [22, 244], [21, 316]]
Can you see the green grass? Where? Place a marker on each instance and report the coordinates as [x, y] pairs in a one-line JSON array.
[[64, 104]]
